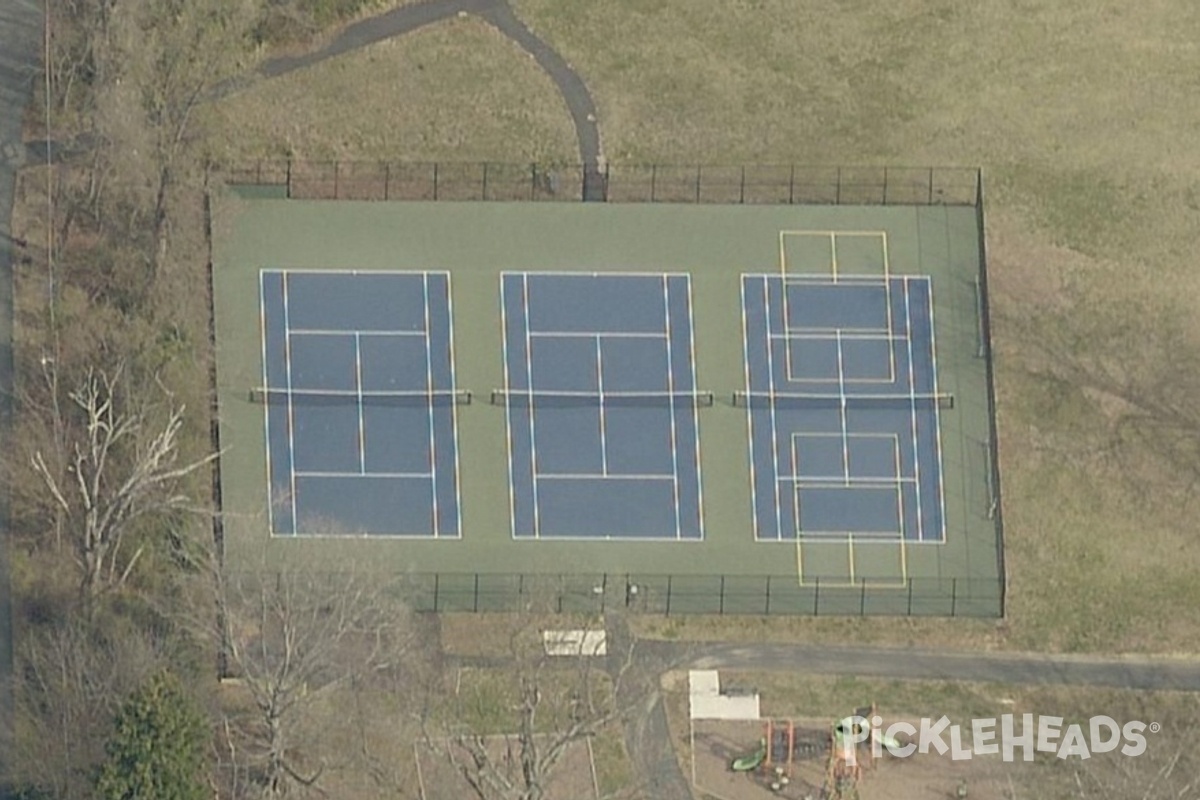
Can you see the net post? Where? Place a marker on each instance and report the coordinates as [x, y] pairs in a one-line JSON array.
[[387, 180]]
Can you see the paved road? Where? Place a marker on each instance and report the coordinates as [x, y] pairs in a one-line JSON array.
[[1127, 672], [20, 44], [497, 13]]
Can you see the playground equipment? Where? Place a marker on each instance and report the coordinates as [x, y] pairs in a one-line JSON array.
[[848, 754]]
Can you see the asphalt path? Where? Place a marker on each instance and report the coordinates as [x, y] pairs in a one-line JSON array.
[[499, 15]]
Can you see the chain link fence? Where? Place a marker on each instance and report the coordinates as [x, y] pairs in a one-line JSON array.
[[618, 183], [705, 594]]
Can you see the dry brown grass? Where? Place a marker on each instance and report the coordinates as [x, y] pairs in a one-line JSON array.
[[457, 90]]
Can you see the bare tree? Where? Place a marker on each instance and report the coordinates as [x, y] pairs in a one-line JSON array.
[[120, 469], [557, 702], [289, 637], [72, 676]]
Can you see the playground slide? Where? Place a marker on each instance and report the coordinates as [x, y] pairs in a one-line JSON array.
[[752, 761]]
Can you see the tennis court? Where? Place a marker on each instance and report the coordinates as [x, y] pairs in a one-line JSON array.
[[601, 406], [358, 383], [754, 409], [843, 408]]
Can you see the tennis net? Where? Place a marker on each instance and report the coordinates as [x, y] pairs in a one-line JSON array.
[[792, 400], [334, 397], [527, 399]]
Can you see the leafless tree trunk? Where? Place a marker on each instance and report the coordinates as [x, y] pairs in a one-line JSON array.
[[289, 636], [121, 469], [560, 702]]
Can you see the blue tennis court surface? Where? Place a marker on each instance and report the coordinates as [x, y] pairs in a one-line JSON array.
[[841, 380], [600, 396], [358, 376]]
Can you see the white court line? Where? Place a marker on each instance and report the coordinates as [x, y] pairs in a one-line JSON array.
[[749, 410], [600, 407], [576, 476], [588, 274], [353, 332], [590, 334], [287, 363], [691, 323], [262, 335], [846, 335], [671, 389], [842, 413], [429, 389], [833, 255], [328, 474], [458, 506], [912, 388], [529, 377], [774, 420], [358, 386], [512, 492], [840, 480], [937, 417]]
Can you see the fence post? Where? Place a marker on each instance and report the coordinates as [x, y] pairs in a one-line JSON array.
[[533, 181], [910, 585], [667, 612], [335, 179], [767, 609], [476, 601], [607, 177], [862, 600], [954, 597], [288, 193], [653, 180], [721, 599], [837, 192], [387, 180], [885, 185], [742, 190], [435, 181], [792, 186], [931, 186], [603, 591], [436, 581], [817, 597], [698, 168]]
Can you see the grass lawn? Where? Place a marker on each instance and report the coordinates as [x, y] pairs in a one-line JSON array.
[[456, 90], [1072, 109]]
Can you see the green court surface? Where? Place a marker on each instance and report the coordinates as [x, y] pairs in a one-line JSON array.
[[728, 571]]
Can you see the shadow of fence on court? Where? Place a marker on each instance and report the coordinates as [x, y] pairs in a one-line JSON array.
[[786, 184], [705, 594]]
